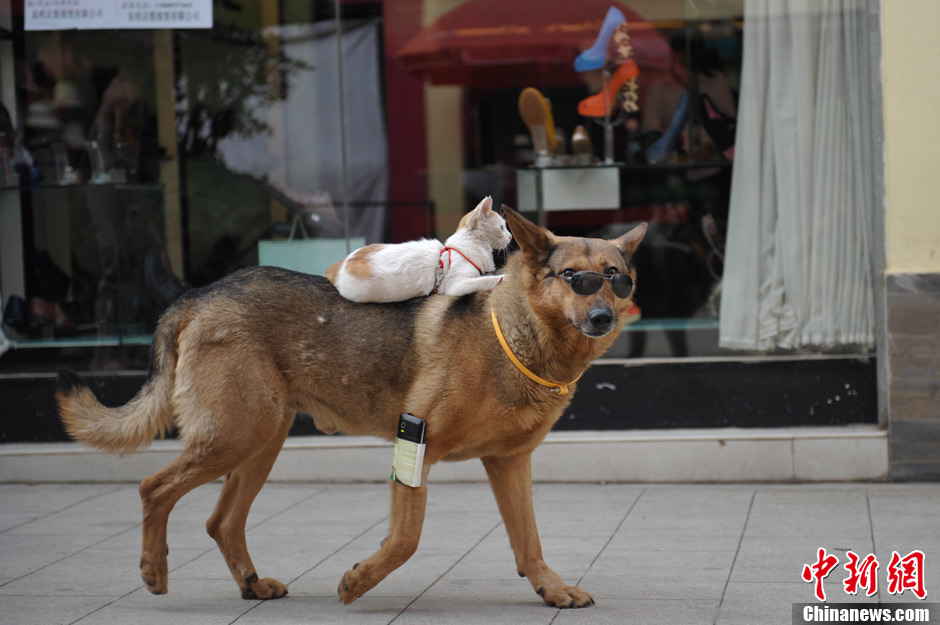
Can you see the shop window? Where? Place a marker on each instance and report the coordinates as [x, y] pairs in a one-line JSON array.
[[137, 163], [594, 116]]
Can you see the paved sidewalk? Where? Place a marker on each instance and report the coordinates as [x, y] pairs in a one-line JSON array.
[[663, 554]]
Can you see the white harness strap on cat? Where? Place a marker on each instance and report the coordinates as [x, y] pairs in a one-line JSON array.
[[449, 249]]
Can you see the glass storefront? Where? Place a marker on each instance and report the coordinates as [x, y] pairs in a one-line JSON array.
[[140, 162]]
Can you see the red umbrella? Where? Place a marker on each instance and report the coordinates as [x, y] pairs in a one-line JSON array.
[[502, 43]]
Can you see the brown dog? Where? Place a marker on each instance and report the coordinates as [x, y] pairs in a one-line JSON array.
[[233, 362]]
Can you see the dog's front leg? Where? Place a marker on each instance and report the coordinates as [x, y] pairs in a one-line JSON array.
[[405, 522], [511, 480]]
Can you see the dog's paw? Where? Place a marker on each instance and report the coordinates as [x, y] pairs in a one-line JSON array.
[[565, 597], [353, 585], [153, 572], [264, 588]]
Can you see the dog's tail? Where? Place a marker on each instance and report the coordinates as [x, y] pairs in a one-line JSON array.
[[129, 427]]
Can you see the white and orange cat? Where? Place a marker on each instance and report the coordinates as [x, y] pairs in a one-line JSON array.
[[393, 272]]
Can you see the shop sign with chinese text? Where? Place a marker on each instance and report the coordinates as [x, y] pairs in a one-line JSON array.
[[116, 14]]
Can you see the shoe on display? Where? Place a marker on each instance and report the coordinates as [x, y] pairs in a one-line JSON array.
[[633, 314], [602, 104], [561, 144], [622, 50], [664, 146], [555, 141], [47, 319], [595, 57], [581, 147], [536, 111]]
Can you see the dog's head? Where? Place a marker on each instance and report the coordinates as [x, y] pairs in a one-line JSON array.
[[551, 267]]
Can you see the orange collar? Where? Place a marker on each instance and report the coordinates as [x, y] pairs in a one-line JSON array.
[[448, 249], [561, 389]]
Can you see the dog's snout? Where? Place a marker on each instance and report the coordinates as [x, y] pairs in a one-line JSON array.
[[601, 318]]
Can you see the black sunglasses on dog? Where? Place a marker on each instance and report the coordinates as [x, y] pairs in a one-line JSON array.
[[590, 282]]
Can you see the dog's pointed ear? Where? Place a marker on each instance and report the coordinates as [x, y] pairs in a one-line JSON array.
[[628, 242], [534, 241]]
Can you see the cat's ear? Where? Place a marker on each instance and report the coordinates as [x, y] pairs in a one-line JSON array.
[[472, 219], [535, 242]]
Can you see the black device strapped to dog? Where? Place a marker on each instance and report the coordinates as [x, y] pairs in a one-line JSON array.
[[411, 428], [408, 461]]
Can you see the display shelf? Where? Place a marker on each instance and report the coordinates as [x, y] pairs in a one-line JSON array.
[[640, 167], [113, 340], [85, 185], [645, 325], [586, 187]]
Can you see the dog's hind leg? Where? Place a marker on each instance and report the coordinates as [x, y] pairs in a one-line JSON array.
[[224, 422], [158, 494], [405, 523], [511, 481], [227, 524]]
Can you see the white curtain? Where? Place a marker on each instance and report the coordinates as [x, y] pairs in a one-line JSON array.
[[800, 254], [302, 155]]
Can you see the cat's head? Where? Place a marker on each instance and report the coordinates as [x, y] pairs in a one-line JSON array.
[[487, 225]]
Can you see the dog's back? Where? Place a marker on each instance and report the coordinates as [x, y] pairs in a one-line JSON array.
[[265, 326]]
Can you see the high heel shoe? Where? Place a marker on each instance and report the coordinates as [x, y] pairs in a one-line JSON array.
[[581, 147], [536, 111], [602, 104], [658, 152], [595, 57], [47, 319], [634, 314]]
